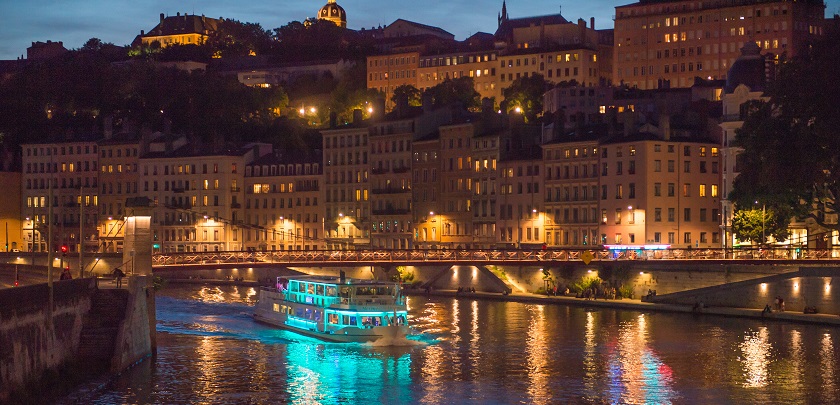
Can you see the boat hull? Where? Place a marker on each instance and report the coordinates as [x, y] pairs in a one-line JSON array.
[[388, 333]]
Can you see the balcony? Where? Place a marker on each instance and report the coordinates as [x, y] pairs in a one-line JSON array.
[[235, 189], [378, 170], [235, 205], [402, 169], [391, 211], [390, 190]]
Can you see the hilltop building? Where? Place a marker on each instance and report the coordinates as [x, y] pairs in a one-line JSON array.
[[669, 43]]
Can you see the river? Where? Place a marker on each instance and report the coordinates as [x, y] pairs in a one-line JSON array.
[[479, 352]]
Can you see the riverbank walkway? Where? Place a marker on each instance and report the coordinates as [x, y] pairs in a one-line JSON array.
[[637, 305]]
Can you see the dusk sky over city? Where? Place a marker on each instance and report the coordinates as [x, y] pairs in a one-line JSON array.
[[119, 21]]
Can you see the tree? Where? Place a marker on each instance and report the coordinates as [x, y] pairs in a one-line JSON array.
[[757, 225], [527, 94], [411, 94], [791, 152], [452, 91]]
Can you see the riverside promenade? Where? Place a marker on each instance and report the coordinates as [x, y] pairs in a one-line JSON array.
[[637, 305]]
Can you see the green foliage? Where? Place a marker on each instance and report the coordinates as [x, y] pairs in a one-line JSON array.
[[74, 94], [757, 225], [403, 275], [411, 94], [527, 94], [498, 271], [626, 291], [586, 282], [791, 153], [456, 91]]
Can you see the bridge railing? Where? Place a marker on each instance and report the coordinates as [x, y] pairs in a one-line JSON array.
[[485, 255]]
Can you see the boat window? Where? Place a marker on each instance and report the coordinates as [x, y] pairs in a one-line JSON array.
[[365, 291], [301, 287], [310, 288], [345, 292], [317, 316], [371, 321], [353, 321], [333, 319], [331, 291], [319, 289], [299, 312]]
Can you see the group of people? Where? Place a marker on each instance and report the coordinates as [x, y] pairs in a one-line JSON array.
[[593, 293], [466, 289]]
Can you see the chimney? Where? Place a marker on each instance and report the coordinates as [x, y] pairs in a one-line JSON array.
[[486, 105], [629, 120], [592, 22], [178, 14], [357, 116], [665, 126], [427, 102], [142, 32], [108, 126], [402, 105], [379, 108], [333, 119], [161, 18]]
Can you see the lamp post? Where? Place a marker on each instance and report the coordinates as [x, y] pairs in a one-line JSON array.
[[763, 215], [433, 221]]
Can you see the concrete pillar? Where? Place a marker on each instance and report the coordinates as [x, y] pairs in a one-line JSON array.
[[137, 245]]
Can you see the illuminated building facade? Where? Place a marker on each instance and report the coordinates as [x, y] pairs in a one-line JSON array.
[[390, 183], [283, 208], [657, 190], [571, 190], [346, 186], [454, 215], [54, 174], [180, 30], [668, 43]]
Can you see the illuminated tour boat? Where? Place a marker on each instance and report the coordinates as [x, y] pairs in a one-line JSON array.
[[335, 308]]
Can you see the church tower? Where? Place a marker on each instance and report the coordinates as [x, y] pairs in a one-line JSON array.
[[503, 16], [334, 13]]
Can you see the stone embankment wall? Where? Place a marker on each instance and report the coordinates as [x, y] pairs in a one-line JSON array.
[[135, 339], [810, 287], [35, 338], [641, 277]]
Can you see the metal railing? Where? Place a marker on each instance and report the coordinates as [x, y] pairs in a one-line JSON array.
[[486, 255]]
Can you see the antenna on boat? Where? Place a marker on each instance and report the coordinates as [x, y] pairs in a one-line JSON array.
[[341, 276]]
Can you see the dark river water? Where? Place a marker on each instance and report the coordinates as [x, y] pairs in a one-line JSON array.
[[480, 352]]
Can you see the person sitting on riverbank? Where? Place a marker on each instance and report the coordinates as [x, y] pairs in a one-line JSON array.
[[767, 310]]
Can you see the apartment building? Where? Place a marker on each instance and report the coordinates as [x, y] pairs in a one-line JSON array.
[[283, 196], [119, 156], [347, 186], [391, 183], [57, 177], [455, 216], [657, 190], [197, 193], [571, 190], [427, 213], [669, 43]]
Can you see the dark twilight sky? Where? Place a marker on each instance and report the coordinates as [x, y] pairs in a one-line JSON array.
[[119, 21]]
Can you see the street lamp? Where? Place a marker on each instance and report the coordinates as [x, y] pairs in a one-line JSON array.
[[763, 215]]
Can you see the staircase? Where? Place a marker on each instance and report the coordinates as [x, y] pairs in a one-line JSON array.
[[100, 328]]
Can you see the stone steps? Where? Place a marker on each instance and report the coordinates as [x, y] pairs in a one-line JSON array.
[[101, 326]]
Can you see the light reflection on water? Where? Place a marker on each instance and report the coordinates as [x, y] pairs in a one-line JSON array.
[[479, 352]]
